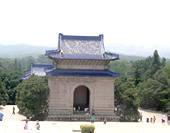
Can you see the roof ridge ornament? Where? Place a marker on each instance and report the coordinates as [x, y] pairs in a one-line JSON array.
[[61, 54], [103, 50]]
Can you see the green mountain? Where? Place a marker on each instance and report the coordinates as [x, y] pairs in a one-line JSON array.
[[143, 51], [13, 51]]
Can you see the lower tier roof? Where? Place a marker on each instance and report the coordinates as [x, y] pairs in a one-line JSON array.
[[82, 73]]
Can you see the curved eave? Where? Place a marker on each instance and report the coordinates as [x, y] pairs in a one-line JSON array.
[[57, 55], [82, 73], [26, 75], [49, 52]]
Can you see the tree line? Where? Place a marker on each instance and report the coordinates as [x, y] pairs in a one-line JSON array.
[[10, 71], [30, 95], [21, 64], [143, 83]]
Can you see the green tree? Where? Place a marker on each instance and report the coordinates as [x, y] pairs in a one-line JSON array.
[[154, 66], [128, 100], [19, 67], [155, 92], [140, 88], [21, 64], [32, 95], [162, 93], [122, 67], [15, 65], [117, 84], [0, 64], [163, 63], [10, 80], [145, 64], [44, 59], [166, 69], [28, 62], [136, 72], [3, 95]]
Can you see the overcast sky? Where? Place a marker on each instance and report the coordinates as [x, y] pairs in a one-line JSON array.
[[38, 22]]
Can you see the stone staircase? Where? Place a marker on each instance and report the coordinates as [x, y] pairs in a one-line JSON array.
[[81, 112], [79, 117]]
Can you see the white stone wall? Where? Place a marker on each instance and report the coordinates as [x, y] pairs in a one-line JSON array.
[[81, 64], [61, 96], [104, 96], [38, 71]]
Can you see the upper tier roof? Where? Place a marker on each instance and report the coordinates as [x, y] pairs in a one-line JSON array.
[[81, 47]]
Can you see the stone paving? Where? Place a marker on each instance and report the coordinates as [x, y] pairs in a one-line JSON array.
[[15, 124]]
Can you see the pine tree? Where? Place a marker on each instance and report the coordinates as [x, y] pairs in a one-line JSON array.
[[0, 64], [15, 65], [136, 72], [154, 66], [19, 67], [163, 63], [128, 100], [3, 95]]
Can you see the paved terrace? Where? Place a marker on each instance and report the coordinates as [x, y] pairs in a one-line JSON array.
[[14, 124]]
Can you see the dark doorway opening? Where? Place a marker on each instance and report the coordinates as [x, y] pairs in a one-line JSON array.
[[81, 98]]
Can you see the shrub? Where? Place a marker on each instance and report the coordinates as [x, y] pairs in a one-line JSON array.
[[39, 117], [168, 113], [87, 128]]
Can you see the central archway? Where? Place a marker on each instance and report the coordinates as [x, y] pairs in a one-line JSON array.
[[81, 97]]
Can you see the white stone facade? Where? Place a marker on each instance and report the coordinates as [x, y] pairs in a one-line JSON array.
[[61, 98]]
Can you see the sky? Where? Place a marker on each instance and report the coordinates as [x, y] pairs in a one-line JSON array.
[[38, 22]]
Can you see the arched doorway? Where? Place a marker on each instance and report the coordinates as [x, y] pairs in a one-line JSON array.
[[81, 97]]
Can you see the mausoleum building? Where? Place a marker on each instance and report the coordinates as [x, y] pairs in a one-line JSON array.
[[80, 76]]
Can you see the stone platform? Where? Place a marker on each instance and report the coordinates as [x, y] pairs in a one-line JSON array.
[[69, 127], [99, 118], [15, 124]]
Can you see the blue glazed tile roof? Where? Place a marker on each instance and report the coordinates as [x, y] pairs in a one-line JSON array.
[[42, 65], [25, 76], [82, 73], [37, 69], [81, 47]]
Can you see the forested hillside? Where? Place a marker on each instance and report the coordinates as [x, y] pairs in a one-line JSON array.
[[10, 71], [19, 51], [143, 51], [132, 58], [143, 81]]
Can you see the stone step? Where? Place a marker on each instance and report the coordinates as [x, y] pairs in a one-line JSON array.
[[76, 130], [81, 112], [80, 118]]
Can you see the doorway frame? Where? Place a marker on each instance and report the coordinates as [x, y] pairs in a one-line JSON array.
[[87, 97], [91, 93]]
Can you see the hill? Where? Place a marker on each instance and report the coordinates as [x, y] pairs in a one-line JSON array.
[[126, 53], [13, 51], [143, 51]]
